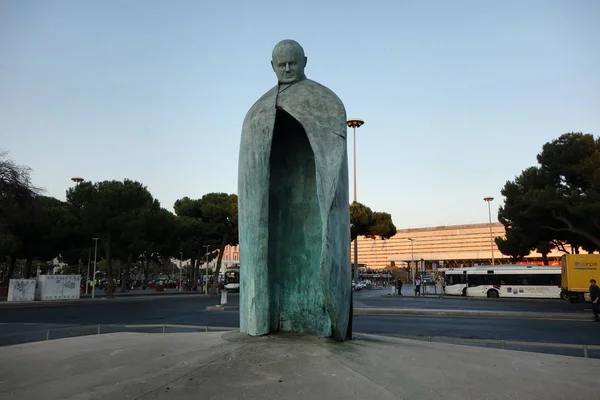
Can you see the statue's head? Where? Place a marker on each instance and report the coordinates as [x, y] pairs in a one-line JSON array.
[[288, 61]]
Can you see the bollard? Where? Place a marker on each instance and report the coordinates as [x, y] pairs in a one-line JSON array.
[[48, 334], [429, 338], [164, 328], [585, 351], [224, 297], [98, 330], [206, 328], [503, 345]]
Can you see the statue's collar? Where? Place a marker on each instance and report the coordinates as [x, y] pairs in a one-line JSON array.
[[284, 86]]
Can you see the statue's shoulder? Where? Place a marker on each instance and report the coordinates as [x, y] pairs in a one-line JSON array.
[[316, 89], [266, 101]]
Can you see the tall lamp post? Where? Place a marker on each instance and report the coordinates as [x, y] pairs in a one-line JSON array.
[[87, 281], [489, 200], [206, 286], [180, 270], [95, 264], [355, 123], [412, 260]]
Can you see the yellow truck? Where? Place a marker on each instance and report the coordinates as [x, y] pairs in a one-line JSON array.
[[577, 270]]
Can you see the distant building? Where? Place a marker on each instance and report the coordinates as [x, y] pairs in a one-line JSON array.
[[442, 246]]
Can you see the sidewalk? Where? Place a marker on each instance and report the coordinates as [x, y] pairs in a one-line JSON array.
[[407, 290], [235, 366]]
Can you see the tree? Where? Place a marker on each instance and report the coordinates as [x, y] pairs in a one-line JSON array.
[[368, 223], [192, 233], [15, 186], [209, 221], [34, 229], [381, 226], [558, 201], [16, 197], [515, 244], [148, 236], [106, 208], [365, 222], [220, 213], [361, 218]]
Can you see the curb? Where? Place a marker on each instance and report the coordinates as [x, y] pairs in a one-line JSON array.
[[89, 300], [464, 298], [222, 308], [445, 313], [469, 313]]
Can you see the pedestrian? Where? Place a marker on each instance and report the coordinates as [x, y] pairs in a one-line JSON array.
[[418, 286], [595, 295], [440, 285], [399, 287]]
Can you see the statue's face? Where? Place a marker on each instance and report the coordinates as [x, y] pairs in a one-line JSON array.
[[288, 63]]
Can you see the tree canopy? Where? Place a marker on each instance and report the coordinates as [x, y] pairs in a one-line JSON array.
[[135, 233], [556, 202], [213, 222], [372, 224]]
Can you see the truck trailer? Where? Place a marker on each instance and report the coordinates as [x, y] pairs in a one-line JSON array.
[[577, 270]]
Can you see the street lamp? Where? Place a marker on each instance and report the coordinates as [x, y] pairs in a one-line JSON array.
[[355, 123], [180, 270], [412, 259], [95, 264], [489, 200], [87, 281], [206, 287]]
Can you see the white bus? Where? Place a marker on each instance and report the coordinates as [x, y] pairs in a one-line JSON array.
[[455, 280], [534, 281]]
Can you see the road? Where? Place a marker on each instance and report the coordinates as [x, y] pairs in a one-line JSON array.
[[379, 299], [27, 323]]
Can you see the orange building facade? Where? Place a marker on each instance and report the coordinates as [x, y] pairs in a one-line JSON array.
[[442, 246]]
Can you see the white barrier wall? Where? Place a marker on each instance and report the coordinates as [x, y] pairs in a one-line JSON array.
[[21, 290], [58, 287]]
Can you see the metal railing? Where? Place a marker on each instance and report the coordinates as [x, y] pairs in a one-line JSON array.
[[64, 332], [578, 350], [504, 344]]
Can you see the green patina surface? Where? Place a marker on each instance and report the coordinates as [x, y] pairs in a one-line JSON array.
[[295, 233]]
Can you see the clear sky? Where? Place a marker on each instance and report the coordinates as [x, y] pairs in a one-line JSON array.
[[457, 96]]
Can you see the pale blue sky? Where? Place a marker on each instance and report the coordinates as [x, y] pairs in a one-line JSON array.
[[458, 96]]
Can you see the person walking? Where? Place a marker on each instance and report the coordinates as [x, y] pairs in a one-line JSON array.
[[595, 295], [399, 286]]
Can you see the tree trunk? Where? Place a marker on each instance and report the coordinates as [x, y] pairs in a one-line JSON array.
[[213, 290], [124, 284], [11, 267], [574, 249], [109, 276], [146, 268], [27, 270], [545, 258], [572, 228], [194, 276]]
